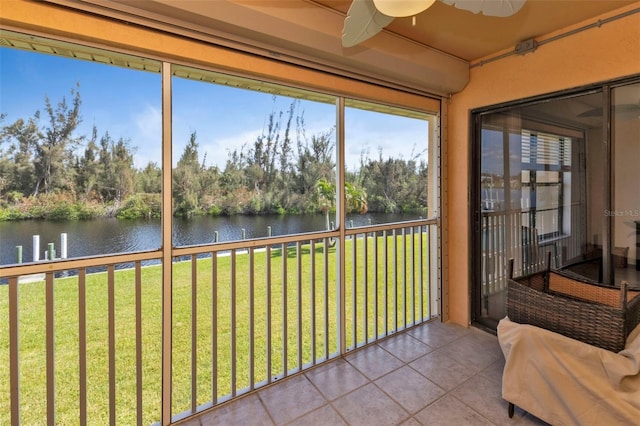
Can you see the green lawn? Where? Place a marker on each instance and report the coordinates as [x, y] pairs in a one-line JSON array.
[[32, 328]]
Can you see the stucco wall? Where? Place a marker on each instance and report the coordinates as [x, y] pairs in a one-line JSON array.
[[599, 54]]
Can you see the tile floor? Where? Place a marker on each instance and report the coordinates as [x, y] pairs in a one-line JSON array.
[[434, 374]]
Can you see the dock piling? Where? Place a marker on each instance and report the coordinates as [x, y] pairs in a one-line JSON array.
[[36, 248], [63, 245]]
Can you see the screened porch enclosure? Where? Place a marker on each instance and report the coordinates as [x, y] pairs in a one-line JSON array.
[[162, 331]]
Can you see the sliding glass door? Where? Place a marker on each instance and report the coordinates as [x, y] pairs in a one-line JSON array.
[[625, 216], [553, 188]]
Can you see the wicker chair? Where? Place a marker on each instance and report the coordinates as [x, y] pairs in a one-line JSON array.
[[568, 305]]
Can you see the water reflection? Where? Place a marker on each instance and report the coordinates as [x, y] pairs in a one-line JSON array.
[[107, 236]]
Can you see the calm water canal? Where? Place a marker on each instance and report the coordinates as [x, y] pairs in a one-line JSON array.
[[105, 236]]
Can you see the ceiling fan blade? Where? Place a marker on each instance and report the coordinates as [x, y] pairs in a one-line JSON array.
[[499, 8], [363, 21]]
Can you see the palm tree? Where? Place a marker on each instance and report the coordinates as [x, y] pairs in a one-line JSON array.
[[356, 198], [325, 195]]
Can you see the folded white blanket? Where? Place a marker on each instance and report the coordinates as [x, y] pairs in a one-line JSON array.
[[567, 382]]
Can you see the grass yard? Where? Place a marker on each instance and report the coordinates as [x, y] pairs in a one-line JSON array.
[[299, 290]]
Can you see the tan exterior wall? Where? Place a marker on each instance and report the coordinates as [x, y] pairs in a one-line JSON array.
[[598, 54]]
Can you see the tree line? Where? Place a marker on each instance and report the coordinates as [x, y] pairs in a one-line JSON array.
[[48, 171]]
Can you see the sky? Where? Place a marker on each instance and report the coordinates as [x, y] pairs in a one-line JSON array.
[[493, 152], [127, 104]]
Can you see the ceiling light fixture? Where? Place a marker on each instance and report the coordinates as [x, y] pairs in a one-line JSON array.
[[366, 18], [402, 8]]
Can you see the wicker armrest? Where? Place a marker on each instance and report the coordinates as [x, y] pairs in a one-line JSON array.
[[599, 315], [589, 291]]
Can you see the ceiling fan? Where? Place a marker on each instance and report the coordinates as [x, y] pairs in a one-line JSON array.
[[367, 18]]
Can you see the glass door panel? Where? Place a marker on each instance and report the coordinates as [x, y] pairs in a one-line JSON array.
[[625, 215], [538, 195]]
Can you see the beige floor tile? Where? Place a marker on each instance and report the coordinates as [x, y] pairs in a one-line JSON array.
[[405, 347], [291, 398], [449, 411], [410, 422], [437, 334], [485, 397], [441, 369], [323, 416], [476, 351], [336, 378], [195, 421], [247, 410], [435, 374], [410, 389], [369, 406], [494, 371], [374, 361]]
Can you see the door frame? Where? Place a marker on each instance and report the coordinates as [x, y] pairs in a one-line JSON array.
[[475, 131]]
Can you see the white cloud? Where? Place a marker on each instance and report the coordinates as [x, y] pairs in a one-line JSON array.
[[148, 136], [219, 149], [219, 137], [149, 122]]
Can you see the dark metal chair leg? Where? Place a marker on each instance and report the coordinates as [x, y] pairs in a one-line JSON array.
[[511, 408]]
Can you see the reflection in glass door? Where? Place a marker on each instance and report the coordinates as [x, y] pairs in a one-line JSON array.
[[625, 215], [549, 193], [538, 195], [500, 200]]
